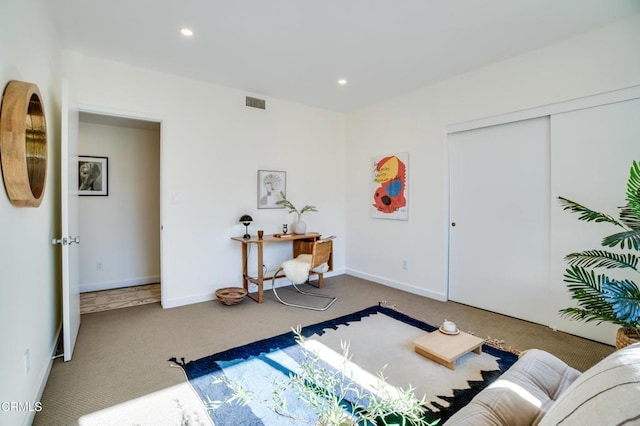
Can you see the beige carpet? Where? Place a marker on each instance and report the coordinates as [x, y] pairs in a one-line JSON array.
[[122, 354]]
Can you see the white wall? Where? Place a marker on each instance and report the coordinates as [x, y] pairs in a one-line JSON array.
[[599, 61], [122, 230], [212, 146], [29, 293]]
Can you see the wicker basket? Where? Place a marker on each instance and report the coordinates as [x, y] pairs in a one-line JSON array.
[[626, 337], [231, 295]]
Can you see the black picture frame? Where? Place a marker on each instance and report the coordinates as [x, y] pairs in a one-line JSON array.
[[93, 176]]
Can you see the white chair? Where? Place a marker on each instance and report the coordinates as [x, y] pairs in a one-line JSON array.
[[312, 257]]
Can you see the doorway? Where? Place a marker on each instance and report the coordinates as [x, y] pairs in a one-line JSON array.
[[120, 227]]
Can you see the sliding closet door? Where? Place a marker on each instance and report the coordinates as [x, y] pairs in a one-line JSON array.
[[499, 218], [592, 150]]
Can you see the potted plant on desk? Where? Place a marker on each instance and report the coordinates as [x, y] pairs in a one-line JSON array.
[[602, 298], [298, 227]]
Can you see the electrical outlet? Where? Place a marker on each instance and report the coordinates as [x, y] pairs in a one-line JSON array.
[[27, 361], [405, 265], [99, 266]]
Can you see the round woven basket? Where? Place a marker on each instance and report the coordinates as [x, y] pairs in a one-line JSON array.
[[626, 336], [231, 295]]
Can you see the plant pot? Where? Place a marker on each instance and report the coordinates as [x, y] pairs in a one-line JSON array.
[[627, 336], [299, 227]]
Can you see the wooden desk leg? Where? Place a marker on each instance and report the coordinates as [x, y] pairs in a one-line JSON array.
[[260, 274], [245, 283]]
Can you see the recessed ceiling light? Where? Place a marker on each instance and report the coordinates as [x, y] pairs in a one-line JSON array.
[[342, 82], [186, 32]]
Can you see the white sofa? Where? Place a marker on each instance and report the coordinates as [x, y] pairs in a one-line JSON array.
[[540, 389]]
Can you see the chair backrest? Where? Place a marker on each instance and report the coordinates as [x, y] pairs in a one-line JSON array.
[[321, 252]]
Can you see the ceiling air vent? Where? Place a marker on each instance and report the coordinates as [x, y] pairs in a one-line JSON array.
[[255, 103]]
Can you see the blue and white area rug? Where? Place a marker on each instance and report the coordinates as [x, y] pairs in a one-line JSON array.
[[380, 339]]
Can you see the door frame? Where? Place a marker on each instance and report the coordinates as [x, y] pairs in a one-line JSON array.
[[154, 118]]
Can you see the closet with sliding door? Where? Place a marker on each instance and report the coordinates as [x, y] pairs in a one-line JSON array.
[[508, 234]]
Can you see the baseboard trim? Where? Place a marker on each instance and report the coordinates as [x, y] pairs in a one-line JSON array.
[[398, 285], [207, 297], [43, 379], [109, 285], [189, 300]]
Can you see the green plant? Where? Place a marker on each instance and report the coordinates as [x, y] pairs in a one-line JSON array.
[[334, 397], [287, 204], [600, 297]]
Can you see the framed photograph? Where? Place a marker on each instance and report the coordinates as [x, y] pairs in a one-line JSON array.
[[389, 186], [93, 175], [270, 184]]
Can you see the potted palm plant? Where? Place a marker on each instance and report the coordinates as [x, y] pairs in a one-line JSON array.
[[599, 297]]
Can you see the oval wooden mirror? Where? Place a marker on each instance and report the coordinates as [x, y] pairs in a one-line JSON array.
[[23, 144]]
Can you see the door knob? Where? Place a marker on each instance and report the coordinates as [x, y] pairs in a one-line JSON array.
[[453, 224]]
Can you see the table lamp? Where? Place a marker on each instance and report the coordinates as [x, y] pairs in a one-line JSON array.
[[246, 220]]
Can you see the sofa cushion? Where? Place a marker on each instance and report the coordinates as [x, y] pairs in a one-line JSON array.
[[607, 393], [521, 395]]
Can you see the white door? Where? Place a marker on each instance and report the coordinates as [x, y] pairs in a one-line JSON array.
[[592, 151], [499, 218], [69, 216]]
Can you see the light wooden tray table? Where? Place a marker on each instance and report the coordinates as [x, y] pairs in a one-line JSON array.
[[445, 349]]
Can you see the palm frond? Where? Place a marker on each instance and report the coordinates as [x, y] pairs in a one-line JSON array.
[[582, 277], [587, 315], [629, 218], [586, 213], [598, 297], [627, 239], [633, 188], [586, 288], [624, 298], [602, 259]]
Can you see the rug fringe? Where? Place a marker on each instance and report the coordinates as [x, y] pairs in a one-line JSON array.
[[490, 341], [499, 344]]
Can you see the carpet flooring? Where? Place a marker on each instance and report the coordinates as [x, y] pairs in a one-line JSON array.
[[122, 354], [380, 340]]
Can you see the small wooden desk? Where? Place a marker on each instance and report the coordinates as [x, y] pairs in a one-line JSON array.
[[446, 349], [298, 244]]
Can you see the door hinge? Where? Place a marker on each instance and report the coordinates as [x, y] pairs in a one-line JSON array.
[[66, 241]]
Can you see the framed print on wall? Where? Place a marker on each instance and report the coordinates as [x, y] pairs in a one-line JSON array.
[[270, 184], [93, 175], [389, 189]]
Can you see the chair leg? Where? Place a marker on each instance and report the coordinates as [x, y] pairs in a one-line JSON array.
[[318, 284], [324, 308]]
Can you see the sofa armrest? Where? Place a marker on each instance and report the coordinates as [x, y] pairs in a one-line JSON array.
[[521, 395], [605, 394]]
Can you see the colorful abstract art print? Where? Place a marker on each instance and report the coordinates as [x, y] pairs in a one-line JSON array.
[[390, 195]]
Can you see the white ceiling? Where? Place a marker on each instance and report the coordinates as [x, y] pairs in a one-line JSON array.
[[298, 49]]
